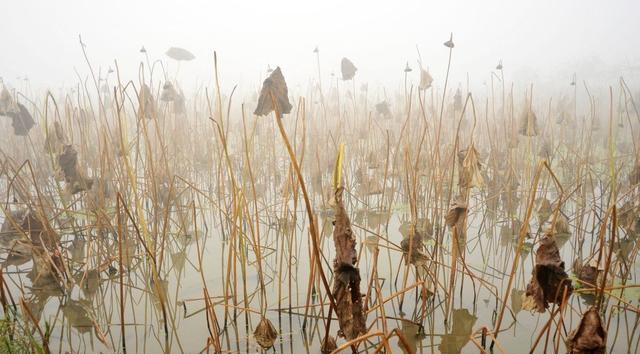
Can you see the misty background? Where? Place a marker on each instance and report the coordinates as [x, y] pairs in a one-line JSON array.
[[540, 41]]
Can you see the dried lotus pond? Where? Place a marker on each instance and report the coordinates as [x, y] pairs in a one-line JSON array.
[[319, 178]]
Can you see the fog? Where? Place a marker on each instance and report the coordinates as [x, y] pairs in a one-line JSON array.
[[476, 181], [538, 41]]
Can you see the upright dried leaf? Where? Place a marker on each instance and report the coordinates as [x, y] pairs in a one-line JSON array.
[[425, 79], [273, 88], [528, 123], [348, 69], [346, 287]]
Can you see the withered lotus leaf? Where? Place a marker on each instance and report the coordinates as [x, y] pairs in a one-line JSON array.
[[470, 168], [413, 246], [588, 272], [168, 93], [425, 79], [179, 54], [562, 225], [457, 100], [544, 210], [328, 345], [590, 337], [383, 110], [548, 278], [68, 162], [348, 69], [21, 120], [7, 104], [274, 88], [265, 333], [147, 104], [346, 286], [54, 142], [528, 124], [457, 209]]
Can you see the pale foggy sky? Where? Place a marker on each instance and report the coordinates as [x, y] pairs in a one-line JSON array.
[[550, 38]]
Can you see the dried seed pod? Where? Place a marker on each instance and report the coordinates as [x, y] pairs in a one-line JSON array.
[[265, 333], [274, 88], [449, 43], [590, 337], [348, 69]]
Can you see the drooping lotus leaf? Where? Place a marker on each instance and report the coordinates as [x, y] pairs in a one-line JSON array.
[[548, 279], [590, 337], [265, 333], [274, 88], [346, 287], [425, 79], [348, 69]]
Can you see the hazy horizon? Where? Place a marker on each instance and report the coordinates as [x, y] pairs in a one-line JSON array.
[[538, 41]]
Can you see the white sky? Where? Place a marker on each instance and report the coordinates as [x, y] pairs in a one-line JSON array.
[[549, 37]]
